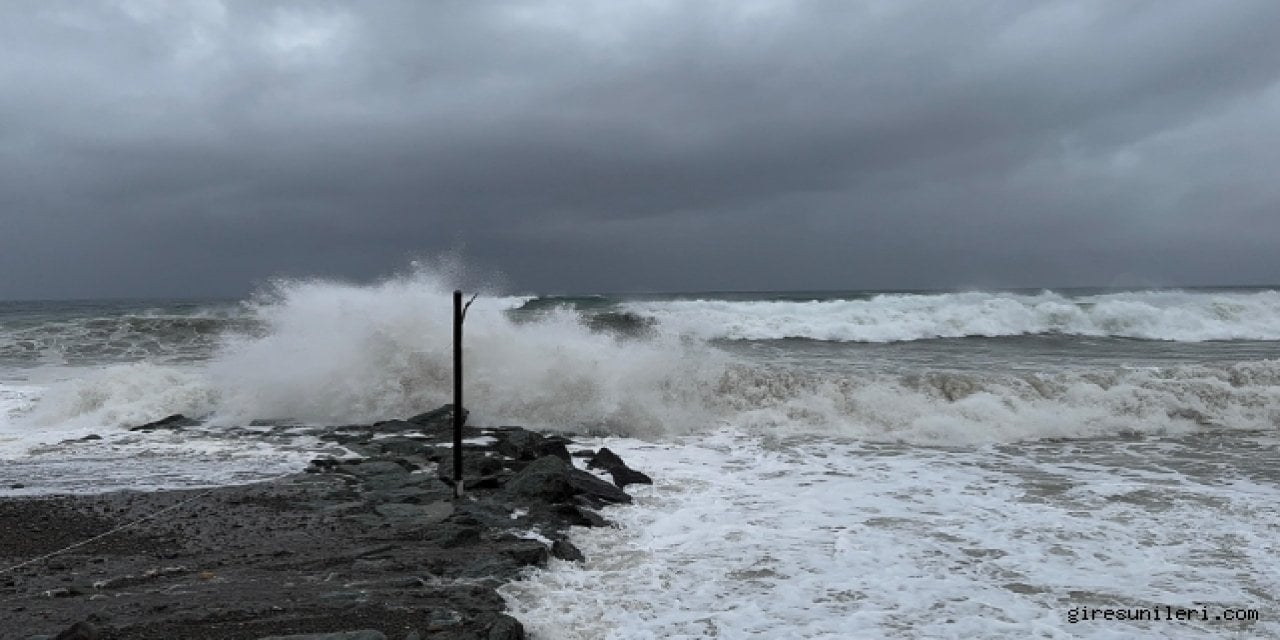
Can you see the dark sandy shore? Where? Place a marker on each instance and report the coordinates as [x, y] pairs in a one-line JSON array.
[[372, 543]]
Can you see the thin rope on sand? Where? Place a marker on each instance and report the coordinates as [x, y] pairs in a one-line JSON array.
[[128, 525]]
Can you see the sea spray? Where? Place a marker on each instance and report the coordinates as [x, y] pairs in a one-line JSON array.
[[322, 352], [120, 395], [334, 352]]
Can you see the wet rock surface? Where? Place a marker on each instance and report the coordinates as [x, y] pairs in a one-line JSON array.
[[622, 474], [359, 547]]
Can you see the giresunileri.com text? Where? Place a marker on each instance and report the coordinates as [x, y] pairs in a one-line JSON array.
[[1161, 613]]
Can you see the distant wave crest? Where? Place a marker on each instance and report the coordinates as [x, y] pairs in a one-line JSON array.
[[1148, 315]]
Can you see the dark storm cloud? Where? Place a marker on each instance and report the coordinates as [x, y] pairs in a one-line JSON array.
[[164, 148]]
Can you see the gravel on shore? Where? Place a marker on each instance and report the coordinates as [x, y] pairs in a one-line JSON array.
[[367, 546]]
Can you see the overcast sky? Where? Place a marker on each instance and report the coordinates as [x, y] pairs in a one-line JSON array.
[[161, 148]]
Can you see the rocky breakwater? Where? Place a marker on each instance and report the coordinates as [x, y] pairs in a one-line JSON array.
[[368, 545]]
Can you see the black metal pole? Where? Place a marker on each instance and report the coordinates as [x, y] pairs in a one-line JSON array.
[[457, 393]]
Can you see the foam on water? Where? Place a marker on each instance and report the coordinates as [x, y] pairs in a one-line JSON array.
[[329, 353], [16, 401], [744, 537], [1150, 315], [83, 457], [150, 461], [960, 408], [121, 395]]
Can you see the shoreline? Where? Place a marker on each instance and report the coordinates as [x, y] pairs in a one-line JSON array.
[[372, 543]]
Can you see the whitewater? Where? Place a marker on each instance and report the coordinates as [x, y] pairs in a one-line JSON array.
[[828, 464]]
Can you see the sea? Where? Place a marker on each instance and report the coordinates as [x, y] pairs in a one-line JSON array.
[[1063, 463]]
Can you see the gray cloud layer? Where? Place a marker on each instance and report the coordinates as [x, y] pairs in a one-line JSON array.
[[162, 148]]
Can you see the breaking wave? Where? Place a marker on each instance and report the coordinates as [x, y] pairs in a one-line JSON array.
[[955, 408], [1148, 315], [331, 353]]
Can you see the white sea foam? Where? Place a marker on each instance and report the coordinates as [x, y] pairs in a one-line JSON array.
[[62, 462], [332, 353], [743, 538], [80, 456], [16, 400], [122, 395], [1151, 315], [951, 408]]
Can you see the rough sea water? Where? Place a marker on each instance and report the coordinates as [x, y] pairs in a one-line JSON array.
[[1033, 464]]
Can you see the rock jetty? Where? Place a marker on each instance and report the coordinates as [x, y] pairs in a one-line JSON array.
[[366, 546]]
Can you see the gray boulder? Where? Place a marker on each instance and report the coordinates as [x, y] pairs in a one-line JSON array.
[[566, 550], [622, 474], [80, 631], [545, 479], [367, 634], [550, 479], [437, 419]]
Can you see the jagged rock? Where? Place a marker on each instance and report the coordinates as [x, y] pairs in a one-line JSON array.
[[487, 512], [426, 493], [367, 634], [364, 448], [369, 468], [566, 550], [493, 569], [417, 514], [545, 479], [457, 536], [585, 483], [551, 479], [401, 446], [624, 477], [590, 502], [400, 426], [80, 631], [504, 627], [474, 465], [443, 619], [380, 476], [622, 474], [486, 482], [556, 446], [605, 459], [580, 517], [324, 465], [519, 443], [527, 552], [437, 419], [175, 421]]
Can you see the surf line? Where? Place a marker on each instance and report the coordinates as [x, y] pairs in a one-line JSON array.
[[128, 525]]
